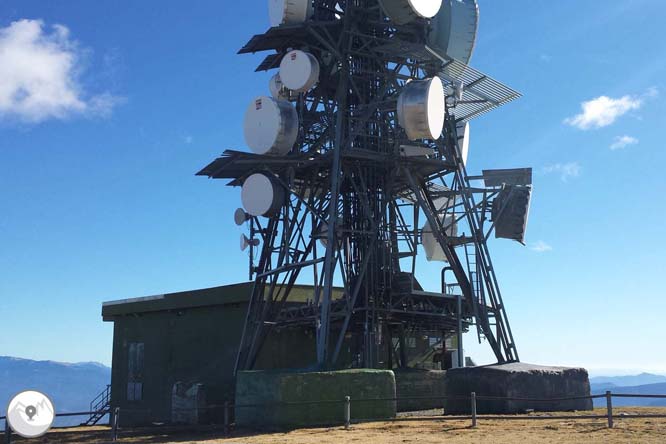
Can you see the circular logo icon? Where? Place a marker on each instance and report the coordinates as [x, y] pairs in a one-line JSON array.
[[30, 414]]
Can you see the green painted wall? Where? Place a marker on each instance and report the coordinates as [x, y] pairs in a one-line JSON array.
[[417, 383], [266, 387], [190, 345]]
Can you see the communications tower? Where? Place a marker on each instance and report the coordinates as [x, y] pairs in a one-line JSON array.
[[357, 167]]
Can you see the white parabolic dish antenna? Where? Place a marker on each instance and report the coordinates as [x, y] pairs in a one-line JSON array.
[[463, 141], [246, 242], [240, 216], [299, 70], [405, 11], [271, 126], [262, 195], [289, 12], [431, 246], [277, 88], [453, 30], [421, 109]]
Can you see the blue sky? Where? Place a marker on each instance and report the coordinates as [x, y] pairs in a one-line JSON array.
[[98, 198]]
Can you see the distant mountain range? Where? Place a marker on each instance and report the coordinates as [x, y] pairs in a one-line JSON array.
[[71, 387], [643, 384], [628, 381]]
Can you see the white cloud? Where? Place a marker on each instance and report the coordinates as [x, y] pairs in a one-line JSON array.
[[40, 68], [565, 170], [623, 142], [652, 92], [604, 111], [541, 247]]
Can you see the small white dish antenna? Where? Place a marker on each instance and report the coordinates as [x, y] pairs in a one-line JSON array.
[[277, 88], [422, 109], [453, 30], [270, 126], [322, 233], [262, 195], [246, 242], [463, 141], [405, 11], [433, 250], [240, 216], [299, 71], [289, 12]]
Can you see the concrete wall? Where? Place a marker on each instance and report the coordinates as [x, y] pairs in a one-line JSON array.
[[520, 381], [415, 383], [261, 387]]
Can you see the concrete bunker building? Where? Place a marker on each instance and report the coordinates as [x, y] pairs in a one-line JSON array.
[[191, 338]]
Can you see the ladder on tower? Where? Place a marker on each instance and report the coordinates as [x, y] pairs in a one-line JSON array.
[[472, 272], [488, 304]]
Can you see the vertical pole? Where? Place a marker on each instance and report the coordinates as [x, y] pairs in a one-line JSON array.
[[473, 398], [403, 350], [444, 280], [114, 428], [251, 249], [389, 347], [336, 175], [8, 432], [108, 403], [347, 411], [609, 409], [226, 417], [461, 359]]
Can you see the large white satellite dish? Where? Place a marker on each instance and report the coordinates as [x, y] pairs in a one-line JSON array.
[[271, 126], [299, 70], [405, 11], [453, 30], [463, 141], [289, 12], [262, 195], [433, 249], [421, 109]]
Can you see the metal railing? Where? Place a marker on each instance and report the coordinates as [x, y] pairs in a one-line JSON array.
[[229, 409], [114, 422]]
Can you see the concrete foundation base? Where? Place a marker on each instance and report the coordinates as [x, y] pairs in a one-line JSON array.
[[517, 380], [415, 383], [255, 388]]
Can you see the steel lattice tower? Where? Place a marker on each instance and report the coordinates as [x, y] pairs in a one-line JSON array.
[[350, 224]]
